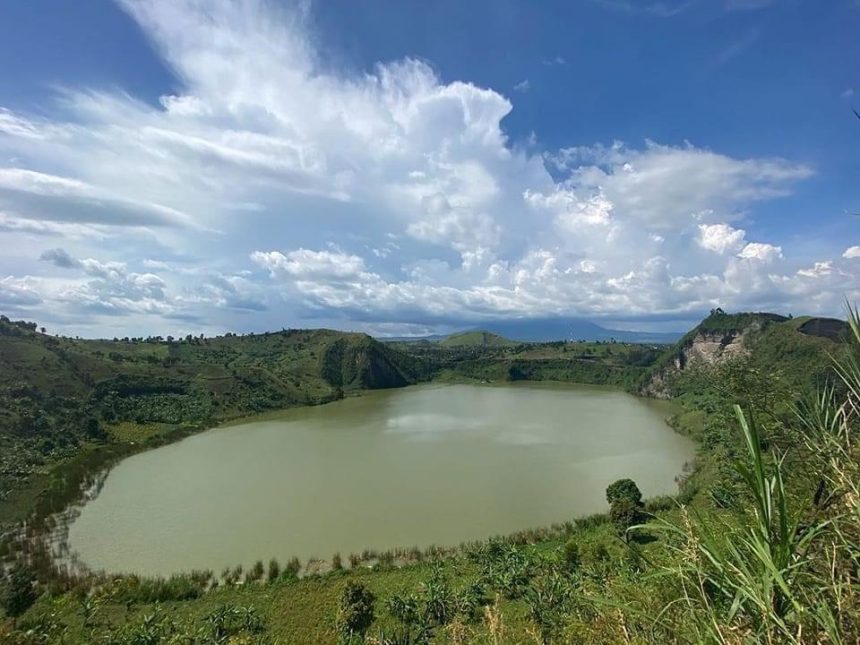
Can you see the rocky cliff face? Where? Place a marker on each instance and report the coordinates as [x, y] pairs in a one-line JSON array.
[[719, 338], [705, 348]]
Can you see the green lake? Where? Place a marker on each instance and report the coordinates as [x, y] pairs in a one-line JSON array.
[[431, 464]]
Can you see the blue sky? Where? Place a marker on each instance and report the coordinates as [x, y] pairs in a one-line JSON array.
[[182, 166]]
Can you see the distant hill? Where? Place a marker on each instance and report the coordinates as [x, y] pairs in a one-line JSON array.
[[573, 329], [478, 338], [548, 330]]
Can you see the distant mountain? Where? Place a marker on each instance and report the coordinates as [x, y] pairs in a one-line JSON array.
[[538, 331], [478, 338], [572, 329]]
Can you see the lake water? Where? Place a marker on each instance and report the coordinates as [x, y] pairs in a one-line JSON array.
[[432, 464]]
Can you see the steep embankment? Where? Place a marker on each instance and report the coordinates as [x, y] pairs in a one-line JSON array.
[[799, 348]]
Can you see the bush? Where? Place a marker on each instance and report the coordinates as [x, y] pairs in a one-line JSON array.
[[571, 556], [355, 613], [18, 590], [624, 489], [134, 589], [274, 570], [624, 514]]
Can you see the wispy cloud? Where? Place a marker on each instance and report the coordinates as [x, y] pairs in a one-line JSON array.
[[523, 86], [658, 9], [748, 5], [555, 60], [736, 48]]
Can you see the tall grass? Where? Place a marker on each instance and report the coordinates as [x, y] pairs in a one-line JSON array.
[[784, 569]]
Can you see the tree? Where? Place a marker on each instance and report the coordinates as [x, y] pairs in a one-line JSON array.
[[18, 590], [624, 514], [356, 610], [624, 489]]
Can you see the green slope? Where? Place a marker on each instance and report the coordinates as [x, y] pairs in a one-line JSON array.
[[582, 581], [63, 397], [476, 338]]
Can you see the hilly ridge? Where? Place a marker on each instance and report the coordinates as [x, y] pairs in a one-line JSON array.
[[69, 407]]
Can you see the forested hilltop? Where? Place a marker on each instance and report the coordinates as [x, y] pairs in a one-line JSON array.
[[761, 543]]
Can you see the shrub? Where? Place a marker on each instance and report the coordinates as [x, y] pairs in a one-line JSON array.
[[18, 590], [274, 570], [256, 572], [135, 589], [355, 613], [571, 556], [624, 514], [624, 489], [291, 569]]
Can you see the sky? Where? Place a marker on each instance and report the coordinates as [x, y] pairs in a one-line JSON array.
[[399, 168]]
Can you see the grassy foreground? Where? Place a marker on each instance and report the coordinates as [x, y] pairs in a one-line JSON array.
[[761, 545]]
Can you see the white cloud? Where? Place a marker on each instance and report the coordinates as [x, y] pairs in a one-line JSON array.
[[265, 159], [760, 251], [852, 252], [523, 86], [720, 238], [663, 185], [819, 269]]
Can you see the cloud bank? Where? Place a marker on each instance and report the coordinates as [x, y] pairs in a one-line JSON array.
[[271, 191]]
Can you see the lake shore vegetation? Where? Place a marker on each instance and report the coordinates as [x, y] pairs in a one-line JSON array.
[[760, 544]]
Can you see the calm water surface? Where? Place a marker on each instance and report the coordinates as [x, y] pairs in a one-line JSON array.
[[417, 466]]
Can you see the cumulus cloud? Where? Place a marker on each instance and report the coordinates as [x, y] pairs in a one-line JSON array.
[[662, 185], [269, 184], [720, 238], [760, 251], [852, 252]]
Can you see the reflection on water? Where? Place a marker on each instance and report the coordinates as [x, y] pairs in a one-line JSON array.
[[418, 466]]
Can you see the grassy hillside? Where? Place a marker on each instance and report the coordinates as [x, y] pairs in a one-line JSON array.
[[476, 338], [764, 548], [69, 405], [63, 399]]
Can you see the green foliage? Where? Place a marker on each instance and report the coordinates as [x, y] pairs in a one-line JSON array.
[[17, 590], [134, 589], [765, 548], [274, 570], [229, 621], [548, 600], [571, 555], [624, 489], [477, 338], [355, 613], [624, 513]]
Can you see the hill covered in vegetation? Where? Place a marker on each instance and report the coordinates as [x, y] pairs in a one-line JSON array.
[[65, 399], [477, 337], [759, 545]]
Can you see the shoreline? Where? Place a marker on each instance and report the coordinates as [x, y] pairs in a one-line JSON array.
[[61, 521]]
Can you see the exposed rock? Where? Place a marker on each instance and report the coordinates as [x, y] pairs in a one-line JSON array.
[[704, 346]]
